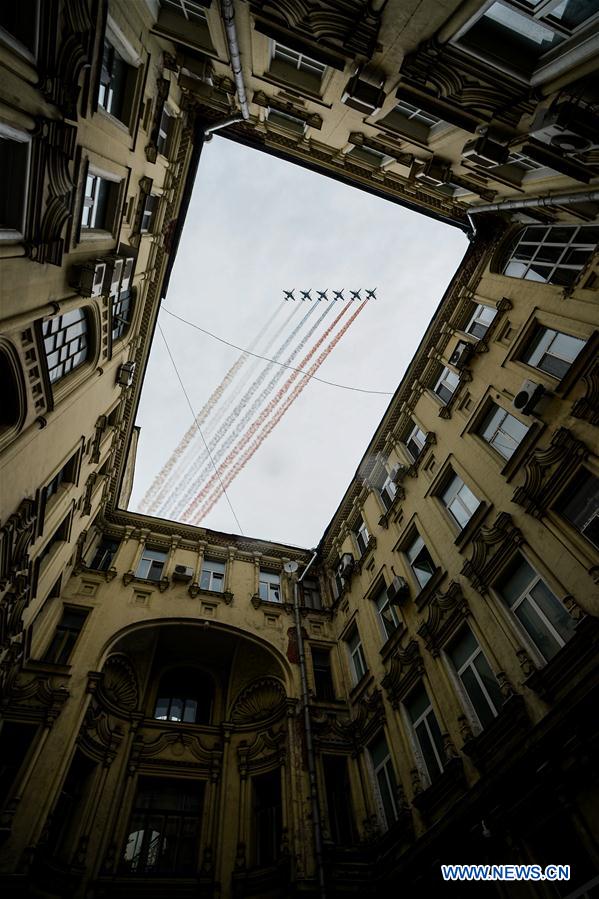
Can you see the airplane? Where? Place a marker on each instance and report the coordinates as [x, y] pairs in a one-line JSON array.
[[370, 294], [355, 294], [339, 295], [289, 294], [306, 294], [322, 294]]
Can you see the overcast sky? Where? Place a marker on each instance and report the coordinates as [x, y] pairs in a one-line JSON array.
[[255, 226]]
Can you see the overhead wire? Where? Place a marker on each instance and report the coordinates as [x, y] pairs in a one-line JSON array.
[[267, 359], [191, 409]]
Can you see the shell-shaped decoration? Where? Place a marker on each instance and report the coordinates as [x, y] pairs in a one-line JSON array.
[[258, 701], [119, 683]]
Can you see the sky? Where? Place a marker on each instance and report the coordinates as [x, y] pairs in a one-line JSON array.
[[257, 225]]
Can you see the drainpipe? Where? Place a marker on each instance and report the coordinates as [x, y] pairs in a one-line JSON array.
[[228, 14], [316, 826], [534, 202]]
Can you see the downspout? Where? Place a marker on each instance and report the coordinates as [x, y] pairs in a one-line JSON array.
[[316, 826], [228, 14], [534, 202]]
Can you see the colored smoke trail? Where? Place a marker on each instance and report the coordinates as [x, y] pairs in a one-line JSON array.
[[270, 425], [275, 400], [229, 438], [164, 481]]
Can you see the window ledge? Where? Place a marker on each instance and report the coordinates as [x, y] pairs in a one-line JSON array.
[[108, 575], [360, 688], [258, 603], [40, 666], [512, 465], [194, 590], [129, 577]]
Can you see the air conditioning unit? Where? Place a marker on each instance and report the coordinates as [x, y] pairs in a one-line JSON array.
[[397, 590], [125, 374], [567, 128], [462, 354], [485, 153], [528, 396], [88, 280], [182, 573], [361, 95], [397, 471], [433, 173], [114, 275], [127, 272]]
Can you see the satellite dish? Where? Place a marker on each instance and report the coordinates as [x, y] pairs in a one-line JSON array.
[[290, 567]]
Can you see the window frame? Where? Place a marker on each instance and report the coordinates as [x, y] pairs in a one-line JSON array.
[[475, 320], [152, 561], [544, 243], [271, 587], [566, 494], [215, 576], [441, 382], [408, 544], [458, 671], [449, 482], [382, 604], [533, 345], [81, 342], [412, 437], [109, 225], [355, 651], [385, 768], [61, 646], [14, 135], [485, 416], [422, 718]]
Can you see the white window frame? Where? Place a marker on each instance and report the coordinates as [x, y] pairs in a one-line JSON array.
[[522, 269], [391, 781], [216, 571], [545, 338], [91, 231], [423, 719], [477, 319], [387, 492], [499, 430], [382, 604], [15, 44], [412, 551], [144, 227], [452, 492], [147, 559], [296, 124], [357, 658], [444, 380], [271, 582], [300, 61], [185, 7], [459, 671], [414, 113], [414, 436], [362, 536]]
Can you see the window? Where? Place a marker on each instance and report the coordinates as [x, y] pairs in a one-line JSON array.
[[66, 475], [311, 593], [417, 115], [524, 162], [270, 586], [427, 734], [267, 814], [502, 431], [105, 553], [15, 742], [554, 254], [420, 560], [356, 654], [370, 156], [148, 217], [65, 342], [296, 68], [164, 131], [446, 384], [164, 827], [538, 611], [480, 320], [386, 612], [338, 792], [552, 351], [15, 148], [189, 9], [60, 535], [213, 575], [18, 25], [117, 84], [151, 565], [384, 775], [459, 500], [323, 677], [288, 122], [99, 203], [520, 37], [579, 504], [387, 491], [415, 442], [476, 677], [121, 310], [360, 532], [65, 636], [184, 694]]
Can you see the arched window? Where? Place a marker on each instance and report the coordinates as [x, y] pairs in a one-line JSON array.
[[553, 254], [185, 694], [66, 342]]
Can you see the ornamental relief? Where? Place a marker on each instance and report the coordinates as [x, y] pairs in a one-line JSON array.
[[548, 470], [261, 700], [34, 697], [268, 750], [491, 548], [405, 670], [445, 613]]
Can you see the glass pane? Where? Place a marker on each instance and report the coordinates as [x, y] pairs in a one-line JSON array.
[[489, 680], [566, 347], [386, 798], [478, 699], [190, 710], [572, 13], [553, 609], [161, 709], [428, 754], [378, 750], [461, 651], [513, 585], [537, 630], [176, 710], [417, 703], [539, 37]]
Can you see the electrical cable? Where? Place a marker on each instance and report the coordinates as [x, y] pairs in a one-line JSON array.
[[266, 359], [191, 409]]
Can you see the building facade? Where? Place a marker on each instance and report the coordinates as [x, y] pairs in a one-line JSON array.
[[187, 712]]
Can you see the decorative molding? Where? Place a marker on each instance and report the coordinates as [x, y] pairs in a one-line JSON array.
[[261, 700], [162, 91], [548, 470], [405, 670], [491, 548], [445, 613], [587, 406]]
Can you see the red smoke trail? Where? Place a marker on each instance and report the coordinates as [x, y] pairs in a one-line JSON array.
[[150, 499], [241, 463], [261, 418]]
